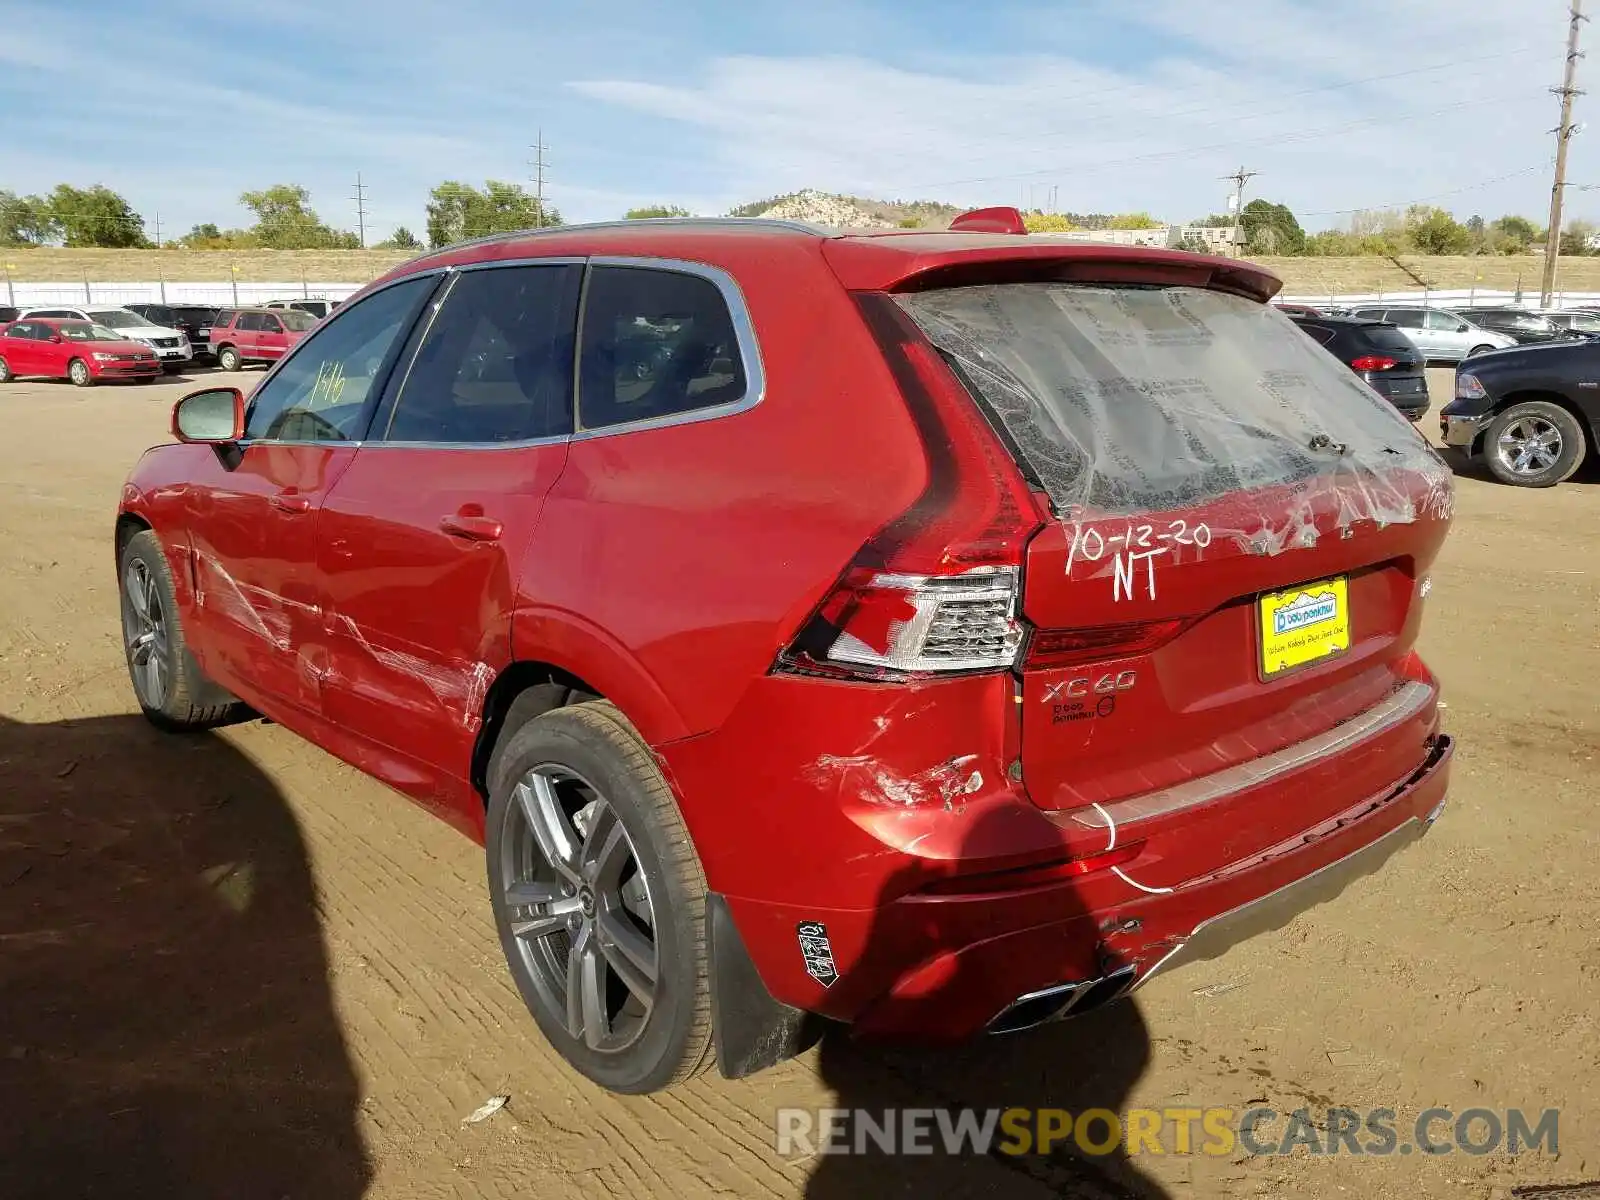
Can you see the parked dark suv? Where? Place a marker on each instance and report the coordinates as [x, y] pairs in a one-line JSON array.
[[940, 632], [194, 319], [1379, 353]]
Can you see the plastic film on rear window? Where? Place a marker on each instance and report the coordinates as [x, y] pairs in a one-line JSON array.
[[1127, 400]]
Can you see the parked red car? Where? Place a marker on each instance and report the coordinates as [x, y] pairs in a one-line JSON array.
[[256, 335], [937, 632], [77, 350]]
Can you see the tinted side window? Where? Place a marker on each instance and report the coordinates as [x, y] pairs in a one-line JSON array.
[[320, 392], [1446, 322], [222, 320], [655, 343], [1321, 334], [496, 366], [1406, 318], [253, 321], [268, 324]]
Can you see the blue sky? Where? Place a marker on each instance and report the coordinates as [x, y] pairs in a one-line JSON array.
[[1117, 105]]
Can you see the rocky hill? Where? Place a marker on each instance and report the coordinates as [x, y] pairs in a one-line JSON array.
[[852, 212]]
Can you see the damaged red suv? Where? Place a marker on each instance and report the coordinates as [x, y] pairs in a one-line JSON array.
[[934, 632]]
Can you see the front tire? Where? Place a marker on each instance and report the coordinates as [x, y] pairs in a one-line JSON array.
[[5, 371], [168, 683], [78, 371], [599, 899], [1535, 444], [228, 359], [1477, 350]]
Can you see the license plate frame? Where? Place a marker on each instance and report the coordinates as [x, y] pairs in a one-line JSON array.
[[1301, 627]]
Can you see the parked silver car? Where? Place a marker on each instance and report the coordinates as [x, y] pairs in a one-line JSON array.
[[1441, 335]]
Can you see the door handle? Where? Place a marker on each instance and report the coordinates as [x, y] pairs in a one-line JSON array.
[[472, 528], [290, 503]]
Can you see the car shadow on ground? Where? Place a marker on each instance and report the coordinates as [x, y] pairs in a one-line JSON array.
[[166, 1026], [1085, 1063]]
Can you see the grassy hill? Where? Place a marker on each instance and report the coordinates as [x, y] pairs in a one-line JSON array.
[[1301, 276]]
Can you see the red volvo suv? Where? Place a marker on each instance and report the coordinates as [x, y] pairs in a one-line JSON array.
[[935, 632]]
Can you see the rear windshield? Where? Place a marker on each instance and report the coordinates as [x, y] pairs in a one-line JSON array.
[[1385, 337], [1141, 399]]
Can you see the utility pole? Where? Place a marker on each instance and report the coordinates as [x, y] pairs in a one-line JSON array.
[[158, 231], [538, 165], [1236, 202], [361, 210], [1563, 132]]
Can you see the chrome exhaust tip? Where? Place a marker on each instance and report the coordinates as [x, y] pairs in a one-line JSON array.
[[1062, 1000]]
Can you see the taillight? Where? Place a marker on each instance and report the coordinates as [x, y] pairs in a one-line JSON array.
[[937, 588], [1372, 362]]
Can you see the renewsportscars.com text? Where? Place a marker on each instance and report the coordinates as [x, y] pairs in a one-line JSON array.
[[1217, 1132]]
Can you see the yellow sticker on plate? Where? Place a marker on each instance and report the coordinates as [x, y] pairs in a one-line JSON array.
[[1304, 625]]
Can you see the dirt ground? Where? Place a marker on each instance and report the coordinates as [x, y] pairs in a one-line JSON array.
[[231, 966]]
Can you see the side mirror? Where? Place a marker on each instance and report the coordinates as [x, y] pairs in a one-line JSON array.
[[214, 416]]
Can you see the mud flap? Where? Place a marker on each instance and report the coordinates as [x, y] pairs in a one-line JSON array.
[[753, 1030]]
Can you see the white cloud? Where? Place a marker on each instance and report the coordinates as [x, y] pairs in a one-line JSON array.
[[1441, 105]]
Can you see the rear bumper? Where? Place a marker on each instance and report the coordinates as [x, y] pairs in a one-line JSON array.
[[938, 891], [961, 993]]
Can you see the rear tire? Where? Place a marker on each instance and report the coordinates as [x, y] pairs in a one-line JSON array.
[[1477, 350], [228, 359], [599, 899], [172, 691], [78, 371], [1535, 444]]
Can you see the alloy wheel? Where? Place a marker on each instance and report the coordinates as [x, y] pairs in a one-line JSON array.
[[579, 908], [79, 372], [144, 632], [1529, 446]]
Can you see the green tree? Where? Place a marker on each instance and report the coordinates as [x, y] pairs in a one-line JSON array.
[[1271, 229], [1038, 222], [95, 216], [1575, 238], [26, 220], [1435, 231], [652, 212], [1512, 234], [285, 221], [457, 211], [1214, 221], [401, 239], [1138, 220], [209, 237], [1193, 244]]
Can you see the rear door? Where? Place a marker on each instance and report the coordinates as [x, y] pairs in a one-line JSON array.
[[1242, 530], [424, 536]]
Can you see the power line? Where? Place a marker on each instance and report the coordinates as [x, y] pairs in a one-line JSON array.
[[361, 211], [1568, 92], [1471, 187], [1188, 151]]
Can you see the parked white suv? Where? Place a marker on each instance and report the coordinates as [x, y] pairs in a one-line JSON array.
[[318, 306], [171, 345], [1441, 335]]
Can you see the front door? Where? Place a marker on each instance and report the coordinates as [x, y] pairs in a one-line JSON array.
[[254, 531], [271, 341], [423, 537], [1451, 336]]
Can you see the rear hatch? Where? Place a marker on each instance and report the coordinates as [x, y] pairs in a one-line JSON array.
[[1241, 529]]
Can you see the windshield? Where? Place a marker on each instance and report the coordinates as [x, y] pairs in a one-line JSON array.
[[1137, 399], [296, 321], [117, 318], [84, 331]]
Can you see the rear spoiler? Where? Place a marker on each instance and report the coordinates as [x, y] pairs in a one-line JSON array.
[[990, 246]]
